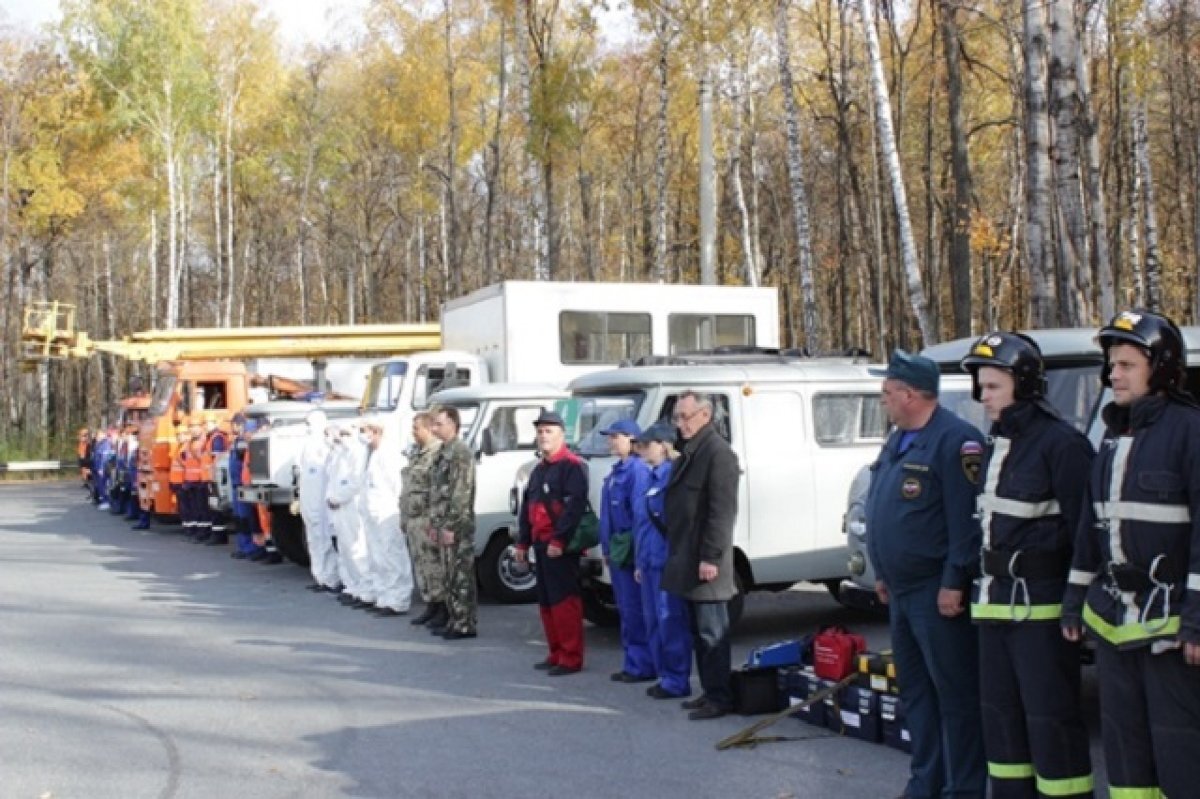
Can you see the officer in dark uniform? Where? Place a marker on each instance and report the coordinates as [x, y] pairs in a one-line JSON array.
[[1035, 469], [1135, 577], [924, 543]]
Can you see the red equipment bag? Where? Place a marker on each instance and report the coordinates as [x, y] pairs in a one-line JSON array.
[[835, 652]]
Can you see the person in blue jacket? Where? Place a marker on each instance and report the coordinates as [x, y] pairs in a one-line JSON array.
[[667, 619], [245, 516], [624, 487], [924, 539], [102, 455]]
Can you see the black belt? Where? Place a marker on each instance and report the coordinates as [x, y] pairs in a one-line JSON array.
[[1128, 577], [1024, 563]]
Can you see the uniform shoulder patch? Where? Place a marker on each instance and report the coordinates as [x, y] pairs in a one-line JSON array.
[[970, 455]]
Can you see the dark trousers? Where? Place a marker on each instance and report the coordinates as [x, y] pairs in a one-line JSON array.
[[638, 661], [560, 606], [937, 667], [1150, 720], [710, 641], [1033, 728]]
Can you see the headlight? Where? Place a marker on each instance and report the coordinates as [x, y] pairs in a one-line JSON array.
[[857, 565], [856, 522]]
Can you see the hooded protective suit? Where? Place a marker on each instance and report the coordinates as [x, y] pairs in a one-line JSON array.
[[391, 568], [318, 530], [346, 477]]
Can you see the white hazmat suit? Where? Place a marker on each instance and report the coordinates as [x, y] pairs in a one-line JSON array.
[[318, 528], [391, 568], [347, 471]]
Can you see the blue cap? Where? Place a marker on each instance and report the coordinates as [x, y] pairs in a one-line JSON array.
[[624, 427], [659, 431], [917, 371], [250, 426], [548, 418]]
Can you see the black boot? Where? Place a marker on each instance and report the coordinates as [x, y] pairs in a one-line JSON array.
[[440, 617], [431, 609]]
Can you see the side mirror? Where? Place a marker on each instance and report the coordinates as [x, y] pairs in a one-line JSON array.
[[486, 445]]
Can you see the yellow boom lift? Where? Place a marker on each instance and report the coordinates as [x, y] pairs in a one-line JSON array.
[[199, 369]]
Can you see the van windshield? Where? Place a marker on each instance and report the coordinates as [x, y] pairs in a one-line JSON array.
[[163, 389], [384, 386], [1074, 390], [586, 415]]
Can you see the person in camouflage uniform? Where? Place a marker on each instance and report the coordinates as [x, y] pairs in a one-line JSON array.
[[452, 520], [415, 495]]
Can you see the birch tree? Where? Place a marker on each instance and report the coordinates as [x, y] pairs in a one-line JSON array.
[[1039, 229], [887, 141], [810, 322]]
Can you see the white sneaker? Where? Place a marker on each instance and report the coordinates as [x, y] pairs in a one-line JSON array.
[[102, 506]]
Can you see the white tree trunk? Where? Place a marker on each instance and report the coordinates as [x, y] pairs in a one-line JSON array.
[[708, 176], [152, 262], [1098, 213], [538, 238], [662, 32], [218, 232], [1038, 223], [172, 318], [230, 281], [749, 267], [1141, 145], [810, 321], [887, 140], [1075, 285]]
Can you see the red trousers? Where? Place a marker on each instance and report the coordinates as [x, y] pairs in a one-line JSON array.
[[561, 607]]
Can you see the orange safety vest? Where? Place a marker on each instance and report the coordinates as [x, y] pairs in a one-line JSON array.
[[193, 469], [264, 513], [177, 466], [209, 459]]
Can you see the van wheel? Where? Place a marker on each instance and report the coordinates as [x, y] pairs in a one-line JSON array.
[[501, 577], [599, 604], [288, 532]]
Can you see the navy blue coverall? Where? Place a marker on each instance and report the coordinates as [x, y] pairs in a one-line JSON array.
[[624, 486], [922, 536]]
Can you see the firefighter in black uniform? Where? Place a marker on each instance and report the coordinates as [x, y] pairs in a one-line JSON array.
[[1135, 576], [1035, 469]]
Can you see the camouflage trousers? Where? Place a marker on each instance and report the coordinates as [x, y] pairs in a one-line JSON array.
[[461, 600], [427, 562]]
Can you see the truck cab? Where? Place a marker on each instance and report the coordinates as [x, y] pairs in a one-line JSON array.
[[182, 388], [497, 423], [399, 387], [801, 428]]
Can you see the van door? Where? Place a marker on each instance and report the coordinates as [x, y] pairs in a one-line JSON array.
[[514, 442], [780, 483], [848, 428]]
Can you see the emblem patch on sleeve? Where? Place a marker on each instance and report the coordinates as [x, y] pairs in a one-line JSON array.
[[970, 454], [910, 488]]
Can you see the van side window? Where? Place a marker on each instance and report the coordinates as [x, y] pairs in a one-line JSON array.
[[721, 419], [691, 332], [840, 419], [512, 428], [598, 337], [432, 379]]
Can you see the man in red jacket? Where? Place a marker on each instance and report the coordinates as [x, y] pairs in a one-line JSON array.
[[554, 502]]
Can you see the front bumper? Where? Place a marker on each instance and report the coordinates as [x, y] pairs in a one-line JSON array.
[[269, 494]]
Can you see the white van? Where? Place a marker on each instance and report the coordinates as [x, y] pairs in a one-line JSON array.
[[497, 423], [801, 427]]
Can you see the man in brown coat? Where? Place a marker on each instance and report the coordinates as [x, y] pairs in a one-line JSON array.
[[701, 508]]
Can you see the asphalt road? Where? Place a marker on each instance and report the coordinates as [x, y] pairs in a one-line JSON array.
[[135, 664]]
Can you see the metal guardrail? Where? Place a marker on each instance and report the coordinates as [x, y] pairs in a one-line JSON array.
[[38, 466]]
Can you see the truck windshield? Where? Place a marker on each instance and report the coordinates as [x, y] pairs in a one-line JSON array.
[[384, 386], [585, 416], [163, 389]]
